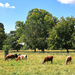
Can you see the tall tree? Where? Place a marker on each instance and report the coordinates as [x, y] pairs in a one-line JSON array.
[[60, 37], [2, 35], [37, 26]]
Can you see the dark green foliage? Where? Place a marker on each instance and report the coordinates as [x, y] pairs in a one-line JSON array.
[[2, 35], [13, 36], [11, 40], [41, 30], [73, 39], [6, 49], [60, 37], [37, 26], [35, 36], [19, 24]]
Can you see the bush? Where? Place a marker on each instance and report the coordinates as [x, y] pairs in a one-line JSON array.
[[6, 49]]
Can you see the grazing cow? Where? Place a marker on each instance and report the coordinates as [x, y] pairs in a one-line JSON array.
[[11, 56], [69, 58], [48, 58], [21, 57], [16, 55]]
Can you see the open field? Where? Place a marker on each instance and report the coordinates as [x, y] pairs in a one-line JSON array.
[[33, 65]]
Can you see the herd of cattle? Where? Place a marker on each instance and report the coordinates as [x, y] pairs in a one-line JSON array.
[[46, 59], [18, 56]]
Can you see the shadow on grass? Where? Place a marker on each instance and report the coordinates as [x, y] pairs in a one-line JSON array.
[[40, 51]]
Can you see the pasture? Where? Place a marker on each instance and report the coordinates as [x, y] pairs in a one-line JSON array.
[[33, 65]]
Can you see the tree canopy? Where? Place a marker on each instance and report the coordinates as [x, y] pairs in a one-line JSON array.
[[41, 30], [37, 26], [61, 35], [11, 40], [2, 35], [73, 39]]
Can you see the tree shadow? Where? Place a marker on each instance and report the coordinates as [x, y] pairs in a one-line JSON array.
[[40, 51]]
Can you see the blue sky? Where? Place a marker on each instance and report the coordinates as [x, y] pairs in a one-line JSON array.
[[17, 10]]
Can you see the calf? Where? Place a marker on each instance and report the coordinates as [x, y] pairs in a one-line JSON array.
[[48, 58], [11, 56], [21, 57], [69, 58]]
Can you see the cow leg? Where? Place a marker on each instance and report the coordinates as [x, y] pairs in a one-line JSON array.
[[51, 62], [25, 58], [69, 62], [19, 59], [7, 59], [11, 58], [47, 62]]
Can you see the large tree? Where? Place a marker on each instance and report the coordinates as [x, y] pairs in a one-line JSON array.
[[61, 35], [2, 35], [38, 24]]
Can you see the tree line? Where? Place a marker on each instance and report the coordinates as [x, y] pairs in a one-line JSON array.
[[41, 30]]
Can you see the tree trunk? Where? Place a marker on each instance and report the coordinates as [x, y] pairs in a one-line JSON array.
[[6, 53], [74, 50], [67, 51], [43, 50], [35, 50], [17, 50]]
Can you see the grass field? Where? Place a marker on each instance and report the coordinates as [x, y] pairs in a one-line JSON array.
[[33, 65]]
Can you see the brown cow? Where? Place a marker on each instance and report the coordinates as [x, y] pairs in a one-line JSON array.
[[21, 57], [11, 56], [69, 58], [48, 58]]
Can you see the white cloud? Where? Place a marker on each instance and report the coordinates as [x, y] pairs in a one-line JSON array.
[[1, 5], [12, 6], [6, 5], [67, 1]]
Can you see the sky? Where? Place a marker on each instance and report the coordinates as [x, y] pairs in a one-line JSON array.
[[17, 10]]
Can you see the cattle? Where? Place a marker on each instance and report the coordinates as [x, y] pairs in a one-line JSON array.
[[16, 55], [21, 57], [68, 59], [11, 56], [48, 58]]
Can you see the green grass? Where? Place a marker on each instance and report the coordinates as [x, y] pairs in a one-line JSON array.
[[33, 65]]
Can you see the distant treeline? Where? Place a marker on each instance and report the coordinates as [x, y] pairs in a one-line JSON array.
[[41, 30]]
